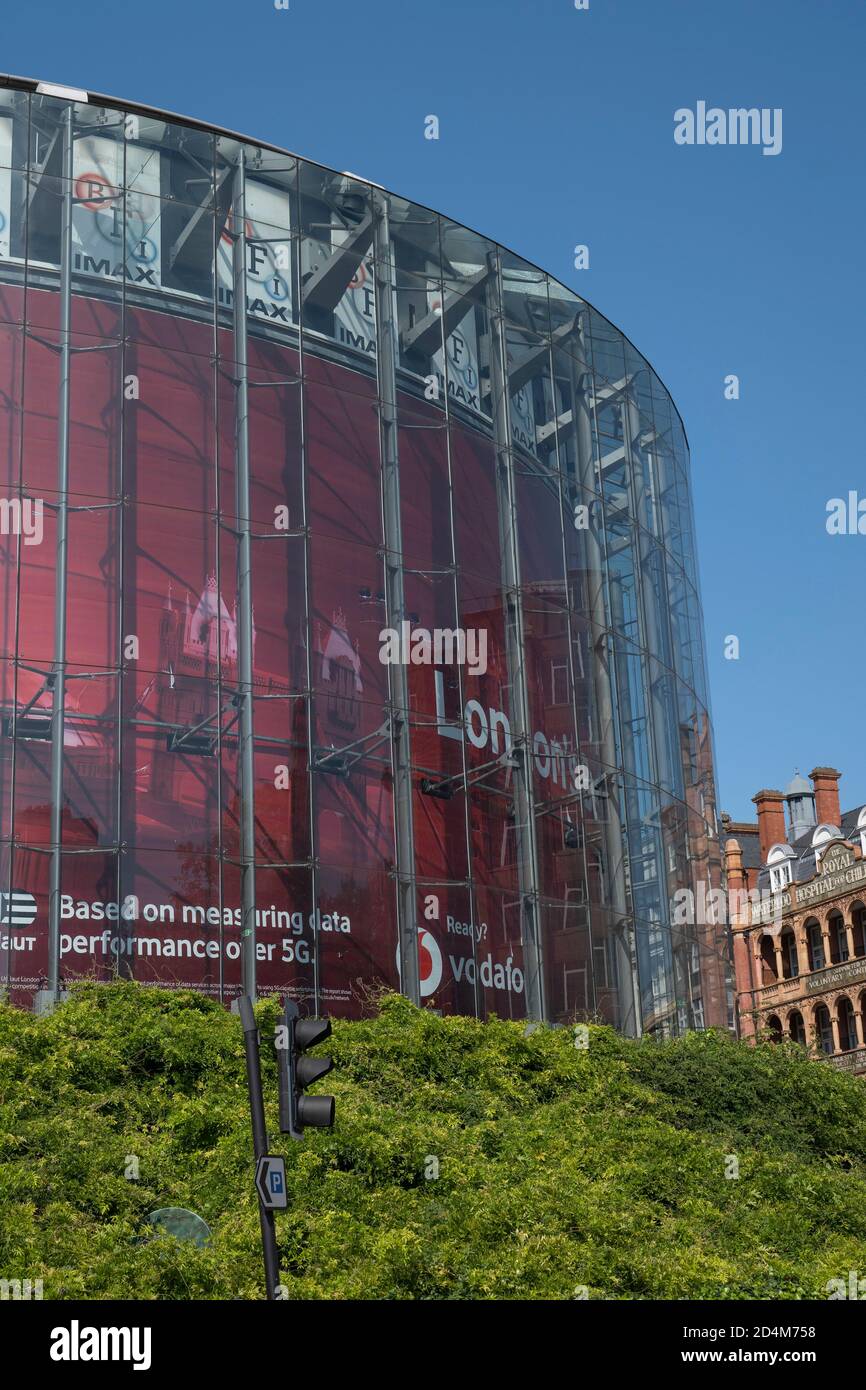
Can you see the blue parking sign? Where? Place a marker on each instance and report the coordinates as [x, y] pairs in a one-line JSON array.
[[271, 1182]]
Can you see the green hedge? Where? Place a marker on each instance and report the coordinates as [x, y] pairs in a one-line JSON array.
[[560, 1169]]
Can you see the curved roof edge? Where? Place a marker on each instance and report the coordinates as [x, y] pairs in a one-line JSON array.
[[31, 84]]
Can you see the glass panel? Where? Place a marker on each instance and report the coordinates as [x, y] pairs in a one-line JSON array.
[[468, 278], [92, 607], [614, 655], [14, 131], [342, 436], [336, 259]]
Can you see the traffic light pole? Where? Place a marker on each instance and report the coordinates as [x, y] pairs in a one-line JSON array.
[[260, 1139]]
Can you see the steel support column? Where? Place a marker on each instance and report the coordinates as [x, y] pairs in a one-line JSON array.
[[61, 562], [604, 691], [651, 611], [308, 640], [398, 683], [515, 649], [246, 744]]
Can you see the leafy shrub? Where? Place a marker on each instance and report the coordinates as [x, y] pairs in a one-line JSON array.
[[558, 1168]]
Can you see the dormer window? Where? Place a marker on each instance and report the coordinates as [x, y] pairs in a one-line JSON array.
[[861, 826], [822, 836], [780, 877], [780, 864]]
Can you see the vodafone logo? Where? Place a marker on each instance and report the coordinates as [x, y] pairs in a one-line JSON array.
[[429, 962]]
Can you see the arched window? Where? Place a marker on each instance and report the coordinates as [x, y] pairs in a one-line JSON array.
[[797, 1028], [790, 959], [774, 1028], [816, 945], [847, 1031], [824, 1029], [768, 961], [858, 928], [838, 938]]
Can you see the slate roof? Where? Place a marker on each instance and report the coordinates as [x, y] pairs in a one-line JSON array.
[[803, 864], [750, 844], [747, 838]]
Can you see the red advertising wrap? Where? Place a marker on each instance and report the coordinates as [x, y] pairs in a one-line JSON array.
[[543, 789]]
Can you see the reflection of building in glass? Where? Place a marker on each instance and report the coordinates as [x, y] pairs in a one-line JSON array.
[[272, 410], [800, 932]]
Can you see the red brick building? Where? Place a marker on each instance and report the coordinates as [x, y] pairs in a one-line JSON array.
[[800, 942]]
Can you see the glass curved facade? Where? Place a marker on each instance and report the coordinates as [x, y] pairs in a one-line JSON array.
[[255, 414]]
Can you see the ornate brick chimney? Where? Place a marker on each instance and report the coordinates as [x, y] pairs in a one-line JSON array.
[[825, 780], [734, 864], [771, 820], [740, 918]]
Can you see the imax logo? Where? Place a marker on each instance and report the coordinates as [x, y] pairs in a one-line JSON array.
[[737, 126]]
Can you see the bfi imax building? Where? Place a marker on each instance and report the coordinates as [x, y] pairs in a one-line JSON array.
[[255, 415]]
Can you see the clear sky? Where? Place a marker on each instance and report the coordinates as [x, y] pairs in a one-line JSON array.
[[556, 128]]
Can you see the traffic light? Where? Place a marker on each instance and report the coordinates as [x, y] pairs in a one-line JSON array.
[[297, 1072]]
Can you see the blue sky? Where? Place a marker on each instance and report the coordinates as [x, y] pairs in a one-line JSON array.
[[556, 128]]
